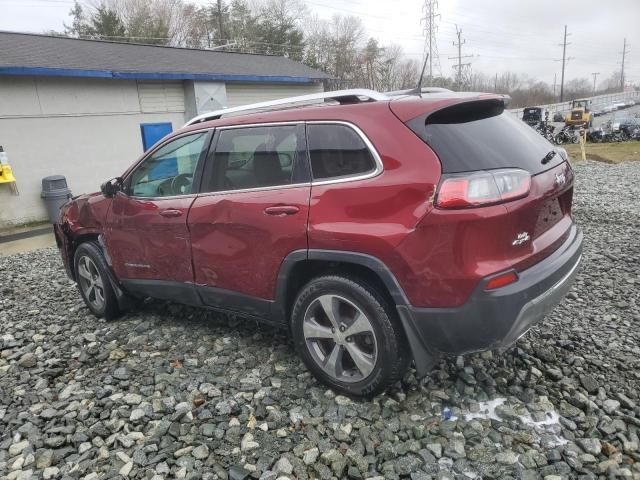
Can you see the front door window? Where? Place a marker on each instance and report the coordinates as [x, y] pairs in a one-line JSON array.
[[169, 171]]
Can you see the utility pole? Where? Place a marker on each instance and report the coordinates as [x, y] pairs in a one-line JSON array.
[[431, 44], [595, 75], [495, 83], [555, 84], [564, 60], [624, 53], [459, 73], [220, 32]]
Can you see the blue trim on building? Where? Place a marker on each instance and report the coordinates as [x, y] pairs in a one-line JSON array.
[[73, 72]]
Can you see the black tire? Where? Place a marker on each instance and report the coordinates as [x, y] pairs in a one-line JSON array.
[[109, 308], [389, 343]]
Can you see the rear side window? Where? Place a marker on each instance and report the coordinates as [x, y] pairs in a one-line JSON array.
[[255, 157], [337, 151], [481, 135]]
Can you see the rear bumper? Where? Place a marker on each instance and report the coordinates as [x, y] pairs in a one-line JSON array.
[[495, 319]]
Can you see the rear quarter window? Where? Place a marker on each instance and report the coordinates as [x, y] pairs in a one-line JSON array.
[[338, 151]]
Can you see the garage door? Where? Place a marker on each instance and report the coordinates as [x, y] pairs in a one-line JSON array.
[[243, 94], [161, 96]]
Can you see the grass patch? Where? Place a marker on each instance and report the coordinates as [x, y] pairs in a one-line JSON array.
[[607, 152]]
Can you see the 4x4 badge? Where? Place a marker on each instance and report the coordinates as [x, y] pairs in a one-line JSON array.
[[521, 238], [560, 179]]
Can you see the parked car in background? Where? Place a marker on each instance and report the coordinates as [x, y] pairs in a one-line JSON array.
[[378, 230], [625, 124], [558, 117]]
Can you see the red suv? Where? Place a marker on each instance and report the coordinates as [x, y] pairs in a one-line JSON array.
[[378, 230]]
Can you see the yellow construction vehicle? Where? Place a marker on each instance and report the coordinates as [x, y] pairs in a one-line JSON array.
[[580, 113]]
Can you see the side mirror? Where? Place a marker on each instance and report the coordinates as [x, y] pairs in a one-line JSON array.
[[111, 187]]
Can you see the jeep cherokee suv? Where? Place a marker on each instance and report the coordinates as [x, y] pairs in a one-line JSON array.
[[378, 230]]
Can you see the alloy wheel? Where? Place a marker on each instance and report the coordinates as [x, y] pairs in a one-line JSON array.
[[91, 282], [340, 338]]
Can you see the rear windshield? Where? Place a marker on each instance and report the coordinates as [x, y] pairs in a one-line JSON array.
[[482, 136]]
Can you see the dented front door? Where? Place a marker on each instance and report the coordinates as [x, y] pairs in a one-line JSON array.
[[148, 238]]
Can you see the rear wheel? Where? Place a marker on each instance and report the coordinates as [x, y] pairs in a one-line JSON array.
[[93, 281], [348, 336]]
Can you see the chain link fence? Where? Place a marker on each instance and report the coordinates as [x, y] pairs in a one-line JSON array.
[[598, 102]]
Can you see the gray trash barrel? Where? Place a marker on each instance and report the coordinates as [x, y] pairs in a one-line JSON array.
[[55, 194]]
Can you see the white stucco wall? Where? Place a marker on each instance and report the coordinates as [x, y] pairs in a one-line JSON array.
[[85, 129], [89, 129]]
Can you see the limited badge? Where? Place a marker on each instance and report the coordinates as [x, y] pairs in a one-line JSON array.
[[521, 238]]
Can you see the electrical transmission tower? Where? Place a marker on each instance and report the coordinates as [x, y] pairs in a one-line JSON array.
[[430, 8], [463, 70]]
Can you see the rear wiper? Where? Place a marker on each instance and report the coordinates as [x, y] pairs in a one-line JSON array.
[[547, 158]]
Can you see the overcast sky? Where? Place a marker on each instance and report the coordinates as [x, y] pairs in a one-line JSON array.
[[502, 35]]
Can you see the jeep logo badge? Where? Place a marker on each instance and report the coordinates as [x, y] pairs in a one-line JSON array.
[[521, 238]]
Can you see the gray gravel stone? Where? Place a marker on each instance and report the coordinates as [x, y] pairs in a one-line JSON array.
[[201, 452], [590, 445], [28, 360], [169, 391], [283, 466]]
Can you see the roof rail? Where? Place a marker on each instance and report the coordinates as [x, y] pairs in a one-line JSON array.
[[355, 95], [414, 91]]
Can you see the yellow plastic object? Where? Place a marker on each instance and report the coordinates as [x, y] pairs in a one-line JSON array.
[[6, 175]]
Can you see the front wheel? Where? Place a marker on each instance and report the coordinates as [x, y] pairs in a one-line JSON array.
[[93, 281], [348, 336]]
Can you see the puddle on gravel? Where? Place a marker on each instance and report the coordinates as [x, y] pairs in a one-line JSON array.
[[548, 429]]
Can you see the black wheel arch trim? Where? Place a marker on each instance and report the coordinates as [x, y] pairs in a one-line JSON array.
[[342, 256], [123, 302], [424, 358]]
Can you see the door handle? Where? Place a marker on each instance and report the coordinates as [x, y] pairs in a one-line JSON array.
[[282, 210], [170, 212]]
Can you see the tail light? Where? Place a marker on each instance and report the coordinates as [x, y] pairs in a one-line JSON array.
[[483, 188]]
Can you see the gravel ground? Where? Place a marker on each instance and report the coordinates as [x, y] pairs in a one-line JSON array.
[[174, 392]]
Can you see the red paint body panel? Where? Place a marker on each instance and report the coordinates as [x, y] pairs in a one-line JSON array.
[[437, 256], [237, 246], [85, 214], [375, 215], [143, 244], [451, 251]]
